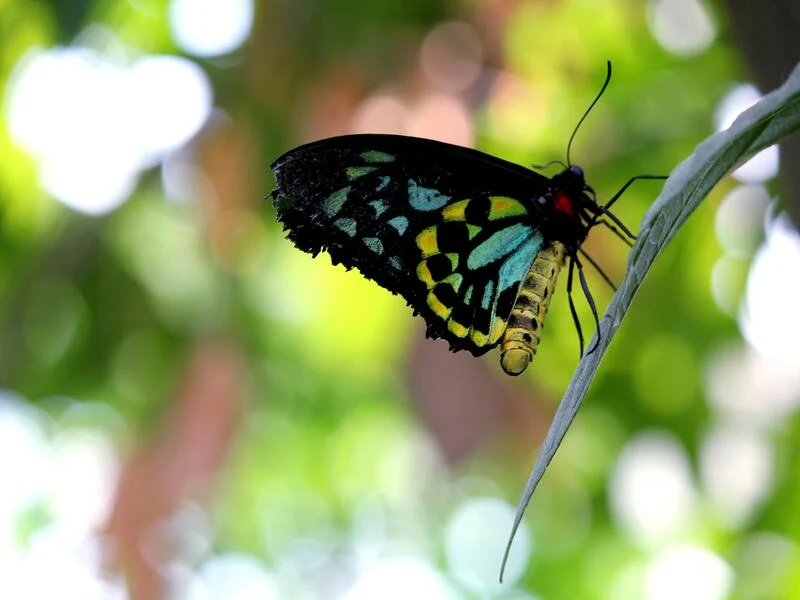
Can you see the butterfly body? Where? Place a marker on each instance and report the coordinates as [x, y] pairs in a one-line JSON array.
[[523, 331], [472, 242]]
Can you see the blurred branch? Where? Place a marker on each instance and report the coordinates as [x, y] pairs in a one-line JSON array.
[[181, 463], [463, 404]]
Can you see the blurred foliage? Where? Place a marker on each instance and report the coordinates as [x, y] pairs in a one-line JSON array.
[[107, 311]]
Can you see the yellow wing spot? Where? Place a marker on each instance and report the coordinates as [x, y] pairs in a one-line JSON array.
[[479, 338], [424, 274], [503, 207], [454, 280], [473, 230], [426, 241], [455, 211], [439, 309], [457, 328], [498, 327]]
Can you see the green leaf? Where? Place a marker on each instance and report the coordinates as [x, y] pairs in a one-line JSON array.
[[774, 117]]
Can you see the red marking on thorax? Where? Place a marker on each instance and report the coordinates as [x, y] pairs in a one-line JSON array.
[[563, 204]]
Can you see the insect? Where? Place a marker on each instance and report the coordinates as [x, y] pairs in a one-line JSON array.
[[473, 243]]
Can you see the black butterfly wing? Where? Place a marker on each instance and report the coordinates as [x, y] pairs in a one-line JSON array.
[[450, 229]]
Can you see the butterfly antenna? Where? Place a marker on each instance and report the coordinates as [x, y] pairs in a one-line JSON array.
[[588, 110], [546, 165]]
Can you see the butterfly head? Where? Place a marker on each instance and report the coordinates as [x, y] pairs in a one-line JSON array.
[[568, 206], [577, 172]]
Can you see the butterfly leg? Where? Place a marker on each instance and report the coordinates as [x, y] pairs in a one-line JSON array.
[[588, 295], [597, 268], [627, 238], [572, 309], [622, 190], [523, 332], [604, 210]]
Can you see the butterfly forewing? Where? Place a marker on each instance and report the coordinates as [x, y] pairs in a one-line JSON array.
[[448, 228]]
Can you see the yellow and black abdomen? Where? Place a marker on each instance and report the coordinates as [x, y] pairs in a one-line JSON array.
[[524, 329]]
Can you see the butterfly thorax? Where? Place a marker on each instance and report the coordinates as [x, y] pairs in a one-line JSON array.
[[568, 209]]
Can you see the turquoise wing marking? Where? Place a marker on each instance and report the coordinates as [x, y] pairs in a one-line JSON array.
[[425, 199], [516, 265], [399, 223], [498, 245]]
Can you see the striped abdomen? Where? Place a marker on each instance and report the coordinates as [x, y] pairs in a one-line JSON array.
[[523, 332]]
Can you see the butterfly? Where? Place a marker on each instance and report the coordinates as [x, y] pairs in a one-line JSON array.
[[472, 242]]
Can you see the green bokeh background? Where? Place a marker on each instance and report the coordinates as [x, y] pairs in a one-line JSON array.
[[106, 312]]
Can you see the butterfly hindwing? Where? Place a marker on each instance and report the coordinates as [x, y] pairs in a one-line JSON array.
[[447, 228]]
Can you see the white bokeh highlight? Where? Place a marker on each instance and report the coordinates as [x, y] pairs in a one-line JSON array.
[[93, 123], [26, 465], [746, 387], [476, 536], [56, 564], [210, 28], [400, 578], [688, 573], [651, 493], [764, 165], [63, 477], [736, 472], [682, 27], [87, 457], [739, 219], [233, 577], [770, 319]]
